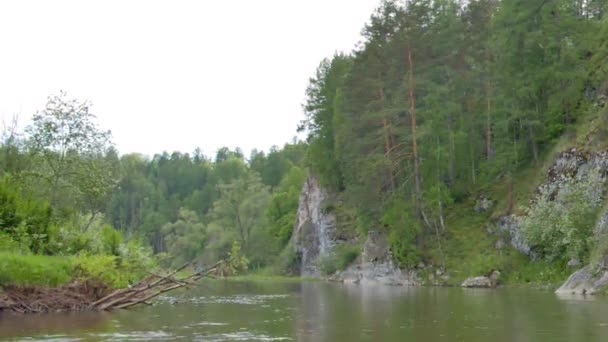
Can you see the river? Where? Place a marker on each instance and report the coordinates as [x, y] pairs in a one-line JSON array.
[[319, 311]]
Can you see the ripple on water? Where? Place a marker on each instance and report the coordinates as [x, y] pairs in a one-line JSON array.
[[52, 338], [240, 336], [137, 336], [236, 299], [207, 324]]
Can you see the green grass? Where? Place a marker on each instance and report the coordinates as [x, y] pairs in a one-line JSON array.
[[24, 270], [42, 270]]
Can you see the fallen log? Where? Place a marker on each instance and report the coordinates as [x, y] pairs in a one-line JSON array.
[[91, 295], [149, 288]]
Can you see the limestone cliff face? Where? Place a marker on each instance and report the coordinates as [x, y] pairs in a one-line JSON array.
[[314, 230], [315, 236]]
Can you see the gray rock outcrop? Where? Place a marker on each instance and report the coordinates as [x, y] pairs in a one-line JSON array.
[[587, 280], [376, 266], [314, 229], [509, 225], [483, 281], [315, 237]]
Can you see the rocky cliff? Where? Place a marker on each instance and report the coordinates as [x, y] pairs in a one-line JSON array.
[[316, 236], [376, 266], [314, 230], [569, 166]]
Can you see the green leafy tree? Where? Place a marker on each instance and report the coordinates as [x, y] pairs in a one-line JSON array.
[[185, 237], [69, 150], [281, 211], [241, 205]]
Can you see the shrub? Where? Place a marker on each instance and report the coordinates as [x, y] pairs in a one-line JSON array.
[[403, 230], [289, 262], [8, 244], [327, 264], [103, 268], [345, 255], [111, 240], [237, 261], [339, 259], [135, 259], [26, 220], [562, 228], [24, 270]]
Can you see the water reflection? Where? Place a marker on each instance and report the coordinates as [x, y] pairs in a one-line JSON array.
[[53, 324], [317, 311]]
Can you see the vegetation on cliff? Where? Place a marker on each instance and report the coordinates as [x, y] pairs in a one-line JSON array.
[[444, 103]]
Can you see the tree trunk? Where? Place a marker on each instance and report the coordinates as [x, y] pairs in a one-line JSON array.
[[387, 144], [489, 152], [452, 152], [417, 180]]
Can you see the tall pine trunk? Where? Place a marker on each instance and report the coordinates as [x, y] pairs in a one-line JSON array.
[[411, 94], [387, 144]]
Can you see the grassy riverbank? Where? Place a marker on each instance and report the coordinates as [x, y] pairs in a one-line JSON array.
[[50, 271]]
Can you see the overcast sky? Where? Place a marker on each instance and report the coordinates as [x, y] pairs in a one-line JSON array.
[[174, 75]]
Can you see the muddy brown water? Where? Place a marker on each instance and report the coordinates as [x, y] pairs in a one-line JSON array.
[[318, 311]]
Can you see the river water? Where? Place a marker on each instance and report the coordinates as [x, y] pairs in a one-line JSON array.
[[318, 311]]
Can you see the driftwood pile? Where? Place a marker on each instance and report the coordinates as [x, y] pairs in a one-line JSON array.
[[148, 288], [80, 296]]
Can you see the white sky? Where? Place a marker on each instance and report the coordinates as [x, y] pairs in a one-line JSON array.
[[174, 75]]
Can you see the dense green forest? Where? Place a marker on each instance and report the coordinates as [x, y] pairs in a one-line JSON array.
[[444, 100], [441, 101]]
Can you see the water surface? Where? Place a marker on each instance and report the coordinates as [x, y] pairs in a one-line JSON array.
[[317, 311]]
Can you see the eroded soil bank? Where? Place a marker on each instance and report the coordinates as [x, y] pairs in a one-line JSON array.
[[75, 296]]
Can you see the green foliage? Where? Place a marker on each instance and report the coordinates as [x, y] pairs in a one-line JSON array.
[[135, 259], [72, 155], [327, 264], [281, 212], [70, 194], [27, 220], [439, 100], [42, 270], [185, 237], [346, 255], [240, 210], [288, 262], [102, 268], [8, 244], [111, 240], [320, 109], [340, 257], [19, 269], [560, 228], [236, 260], [403, 230]]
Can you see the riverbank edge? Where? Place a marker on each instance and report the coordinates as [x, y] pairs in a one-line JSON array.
[[79, 295], [76, 295]]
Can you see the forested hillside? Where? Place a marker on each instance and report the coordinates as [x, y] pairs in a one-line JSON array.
[[443, 103], [447, 100]]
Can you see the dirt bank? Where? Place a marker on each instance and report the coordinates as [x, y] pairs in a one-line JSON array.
[[75, 296]]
